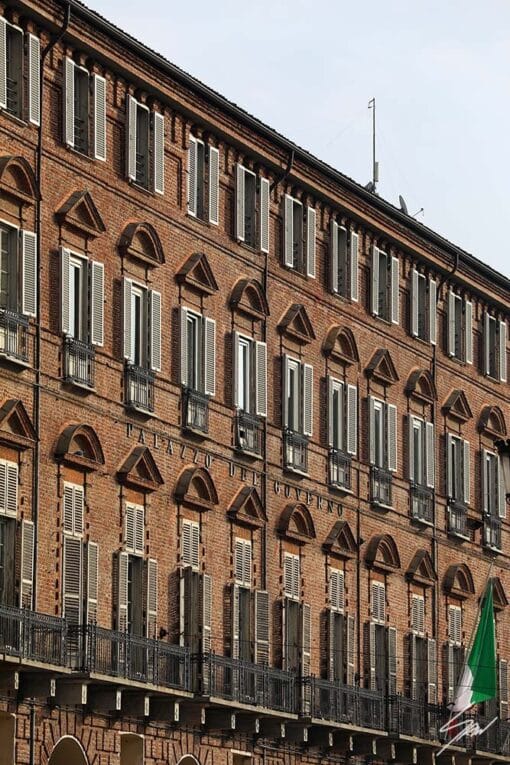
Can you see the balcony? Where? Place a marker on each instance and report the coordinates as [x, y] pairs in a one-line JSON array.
[[139, 387], [339, 470], [457, 520], [195, 414], [248, 433], [295, 451], [32, 636], [422, 504], [14, 336], [380, 486], [492, 532], [79, 362], [413, 717]]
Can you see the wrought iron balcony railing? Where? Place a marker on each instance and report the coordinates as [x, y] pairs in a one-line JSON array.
[[457, 520], [295, 451], [380, 486], [492, 532], [422, 504], [13, 335], [248, 433], [415, 717], [195, 410], [79, 362], [339, 469], [33, 636], [139, 386]]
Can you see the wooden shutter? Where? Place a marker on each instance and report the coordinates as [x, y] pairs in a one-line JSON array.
[[92, 559], [78, 509], [336, 589], [391, 413], [335, 646], [370, 654], [410, 447], [186, 542], [502, 351], [452, 327], [264, 214], [122, 591], [392, 661], [332, 414], [418, 614], [285, 391], [65, 257], [432, 311], [183, 349], [333, 257], [8, 488], [206, 612], [288, 225], [501, 489], [432, 671], [72, 578], [261, 379], [34, 79], [134, 531], [99, 89], [158, 137], [127, 325], [412, 660], [96, 303], [371, 429], [132, 113], [261, 627], [354, 244], [415, 280], [468, 318], [306, 639], [395, 292], [214, 185], [209, 351], [235, 368], [449, 465], [139, 530], [311, 217], [466, 473], [151, 597], [307, 399], [235, 613], [375, 281], [503, 689], [155, 330], [450, 671], [68, 511], [350, 650], [240, 202], [27, 564], [192, 176], [352, 419], [486, 343], [430, 447], [483, 482], [3, 63], [69, 102]]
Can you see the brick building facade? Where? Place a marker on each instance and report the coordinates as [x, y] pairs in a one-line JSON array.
[[249, 488]]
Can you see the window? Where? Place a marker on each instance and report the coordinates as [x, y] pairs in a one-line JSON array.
[[242, 601], [342, 416], [454, 655], [495, 348], [381, 657], [493, 488], [82, 292], [250, 375], [203, 180], [16, 69], [340, 638], [18, 265], [8, 514], [383, 434], [460, 330], [422, 657], [198, 352], [252, 209], [298, 253], [72, 567], [190, 544], [84, 110], [145, 146], [142, 326], [418, 614], [297, 396], [385, 286], [378, 602], [423, 307], [458, 473], [344, 261], [291, 576], [421, 452], [137, 581]]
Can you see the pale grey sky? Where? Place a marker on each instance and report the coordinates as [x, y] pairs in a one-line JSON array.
[[440, 72]]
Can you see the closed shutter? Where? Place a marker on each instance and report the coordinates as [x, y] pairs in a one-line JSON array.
[[503, 689], [3, 63], [336, 589], [449, 465], [430, 445], [190, 543], [350, 650], [155, 330], [68, 514], [468, 318], [450, 671], [333, 257], [432, 671], [242, 562], [486, 343], [484, 482], [261, 379], [132, 111], [370, 654], [29, 273], [432, 311], [288, 237], [264, 214], [414, 302], [466, 473], [158, 137], [261, 627], [371, 429], [127, 323], [502, 351], [501, 489], [206, 612], [99, 85], [235, 368], [209, 356], [378, 602], [129, 528], [92, 556], [352, 419], [192, 175], [307, 399], [413, 665], [122, 592], [418, 614], [306, 639], [395, 296], [34, 79], [291, 575], [235, 609], [183, 348], [285, 390], [392, 661], [69, 102], [311, 217], [412, 477], [27, 564], [65, 256], [375, 281], [139, 530], [391, 412], [8, 488], [214, 185], [97, 303], [354, 244], [72, 580], [452, 326], [78, 509], [151, 598], [240, 202]]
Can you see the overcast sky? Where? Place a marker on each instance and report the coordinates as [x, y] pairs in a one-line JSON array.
[[440, 73]]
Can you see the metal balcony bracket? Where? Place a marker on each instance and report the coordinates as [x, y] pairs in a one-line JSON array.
[[164, 710], [191, 713], [296, 733], [406, 753], [9, 680], [363, 744], [220, 719], [271, 728], [102, 699], [248, 723], [321, 737], [37, 685], [386, 749], [71, 693], [343, 743], [136, 704]]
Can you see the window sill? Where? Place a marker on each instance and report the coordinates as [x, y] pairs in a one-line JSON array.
[[295, 471], [340, 489], [421, 521], [81, 154], [18, 120], [380, 505], [247, 452], [139, 410], [80, 385], [139, 187], [7, 358], [296, 271]]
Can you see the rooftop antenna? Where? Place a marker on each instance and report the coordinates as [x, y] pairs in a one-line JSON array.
[[372, 186], [403, 205], [421, 210]]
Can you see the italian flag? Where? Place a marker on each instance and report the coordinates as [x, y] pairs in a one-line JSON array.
[[478, 680]]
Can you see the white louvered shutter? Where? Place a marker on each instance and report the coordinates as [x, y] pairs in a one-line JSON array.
[[502, 351], [183, 347], [451, 324], [352, 419], [235, 606], [206, 613], [186, 543], [418, 614], [288, 237], [378, 602], [29, 273], [395, 293], [122, 592], [332, 414], [240, 202], [432, 671], [354, 257], [503, 689], [333, 256], [432, 311], [285, 391], [392, 660], [69, 102], [414, 302], [430, 445], [261, 379], [209, 352], [261, 627], [311, 218], [155, 330], [68, 508], [214, 185], [27, 564], [72, 577], [410, 445], [468, 318], [501, 491], [264, 214], [151, 598], [97, 303], [239, 561], [466, 473], [370, 631], [192, 176], [306, 639], [127, 325], [65, 256], [132, 111], [371, 429], [391, 413], [158, 137], [139, 546], [486, 343], [34, 79], [99, 86], [307, 399], [3, 63], [336, 589], [375, 281], [78, 509], [129, 528], [92, 554], [8, 488], [449, 465]]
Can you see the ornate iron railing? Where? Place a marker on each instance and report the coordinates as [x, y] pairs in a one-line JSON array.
[[422, 504], [139, 384], [195, 410], [248, 433], [339, 469], [457, 520], [492, 532], [13, 335], [79, 362], [33, 636], [296, 451], [380, 486]]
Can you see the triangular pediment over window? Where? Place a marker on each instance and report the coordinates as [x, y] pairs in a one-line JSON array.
[[17, 179], [421, 569], [341, 345], [249, 298], [141, 241], [197, 273], [296, 523], [247, 508], [420, 385], [457, 406], [382, 553], [340, 541], [195, 488], [79, 445], [492, 422], [296, 323], [140, 470], [16, 428], [80, 212], [382, 368]]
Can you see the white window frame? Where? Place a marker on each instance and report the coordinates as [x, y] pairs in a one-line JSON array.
[[78, 263], [14, 265], [344, 256], [458, 474], [244, 382], [139, 296], [293, 403]]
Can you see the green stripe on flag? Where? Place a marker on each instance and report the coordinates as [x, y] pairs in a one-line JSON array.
[[482, 657]]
